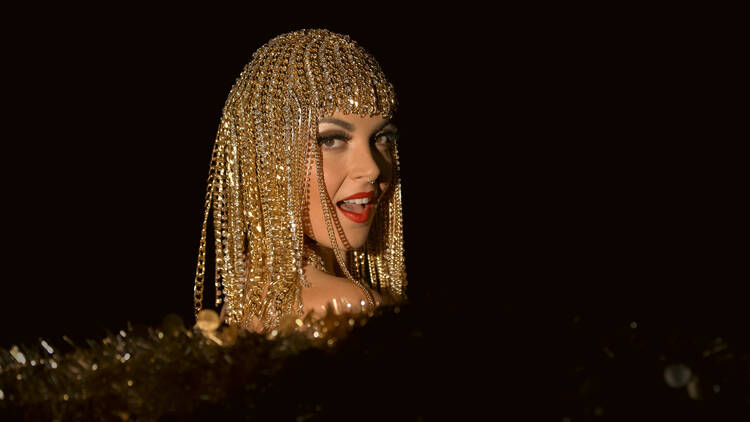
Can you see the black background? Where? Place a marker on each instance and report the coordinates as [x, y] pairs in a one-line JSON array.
[[548, 164], [110, 123]]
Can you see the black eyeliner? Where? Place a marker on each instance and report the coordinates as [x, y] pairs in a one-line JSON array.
[[334, 135], [341, 135], [391, 134], [329, 136]]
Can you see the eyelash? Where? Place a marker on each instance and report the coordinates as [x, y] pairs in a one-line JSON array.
[[391, 138], [323, 139]]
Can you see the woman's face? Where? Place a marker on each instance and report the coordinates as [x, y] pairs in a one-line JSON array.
[[354, 151]]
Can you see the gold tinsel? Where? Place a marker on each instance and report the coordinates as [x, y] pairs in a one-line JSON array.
[[148, 372], [397, 363]]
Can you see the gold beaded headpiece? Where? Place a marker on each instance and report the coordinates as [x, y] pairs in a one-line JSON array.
[[258, 183]]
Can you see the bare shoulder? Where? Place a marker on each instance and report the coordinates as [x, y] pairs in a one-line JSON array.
[[325, 289]]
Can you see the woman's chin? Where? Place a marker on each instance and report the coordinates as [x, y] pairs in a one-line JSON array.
[[356, 242], [357, 245]]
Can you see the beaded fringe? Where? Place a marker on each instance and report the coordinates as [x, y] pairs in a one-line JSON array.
[[257, 182]]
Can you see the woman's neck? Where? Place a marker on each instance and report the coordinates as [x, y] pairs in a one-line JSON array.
[[328, 256]]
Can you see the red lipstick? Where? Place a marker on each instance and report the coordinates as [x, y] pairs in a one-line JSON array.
[[361, 195], [361, 216]]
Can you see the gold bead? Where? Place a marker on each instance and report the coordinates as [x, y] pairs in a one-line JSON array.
[[208, 320]]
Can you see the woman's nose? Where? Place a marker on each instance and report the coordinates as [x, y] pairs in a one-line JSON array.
[[366, 166]]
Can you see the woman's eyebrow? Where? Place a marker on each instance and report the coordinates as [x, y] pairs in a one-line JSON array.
[[346, 125], [385, 123], [350, 127]]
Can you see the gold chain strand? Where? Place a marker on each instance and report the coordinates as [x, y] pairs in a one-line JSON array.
[[397, 235], [310, 256], [375, 232], [201, 267]]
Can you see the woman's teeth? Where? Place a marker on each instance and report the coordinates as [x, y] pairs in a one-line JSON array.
[[352, 206]]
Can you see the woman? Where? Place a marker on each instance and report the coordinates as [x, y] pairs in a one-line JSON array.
[[305, 186]]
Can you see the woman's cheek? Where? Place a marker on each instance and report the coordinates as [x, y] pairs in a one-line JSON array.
[[332, 180]]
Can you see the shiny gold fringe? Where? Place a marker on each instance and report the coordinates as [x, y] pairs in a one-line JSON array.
[[257, 182]]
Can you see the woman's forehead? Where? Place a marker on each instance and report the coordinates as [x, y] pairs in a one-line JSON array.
[[353, 120]]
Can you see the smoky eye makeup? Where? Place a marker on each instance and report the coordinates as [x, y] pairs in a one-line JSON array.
[[390, 135], [326, 138], [390, 132], [334, 133]]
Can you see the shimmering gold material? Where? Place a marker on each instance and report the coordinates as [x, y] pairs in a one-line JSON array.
[[258, 182], [207, 320], [310, 256]]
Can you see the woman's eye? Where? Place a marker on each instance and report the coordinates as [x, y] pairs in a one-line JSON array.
[[386, 139], [330, 142]]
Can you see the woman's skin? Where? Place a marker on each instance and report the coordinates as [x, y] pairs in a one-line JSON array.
[[354, 151]]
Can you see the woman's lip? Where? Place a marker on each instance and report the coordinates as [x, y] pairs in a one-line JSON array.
[[357, 218], [359, 195]]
